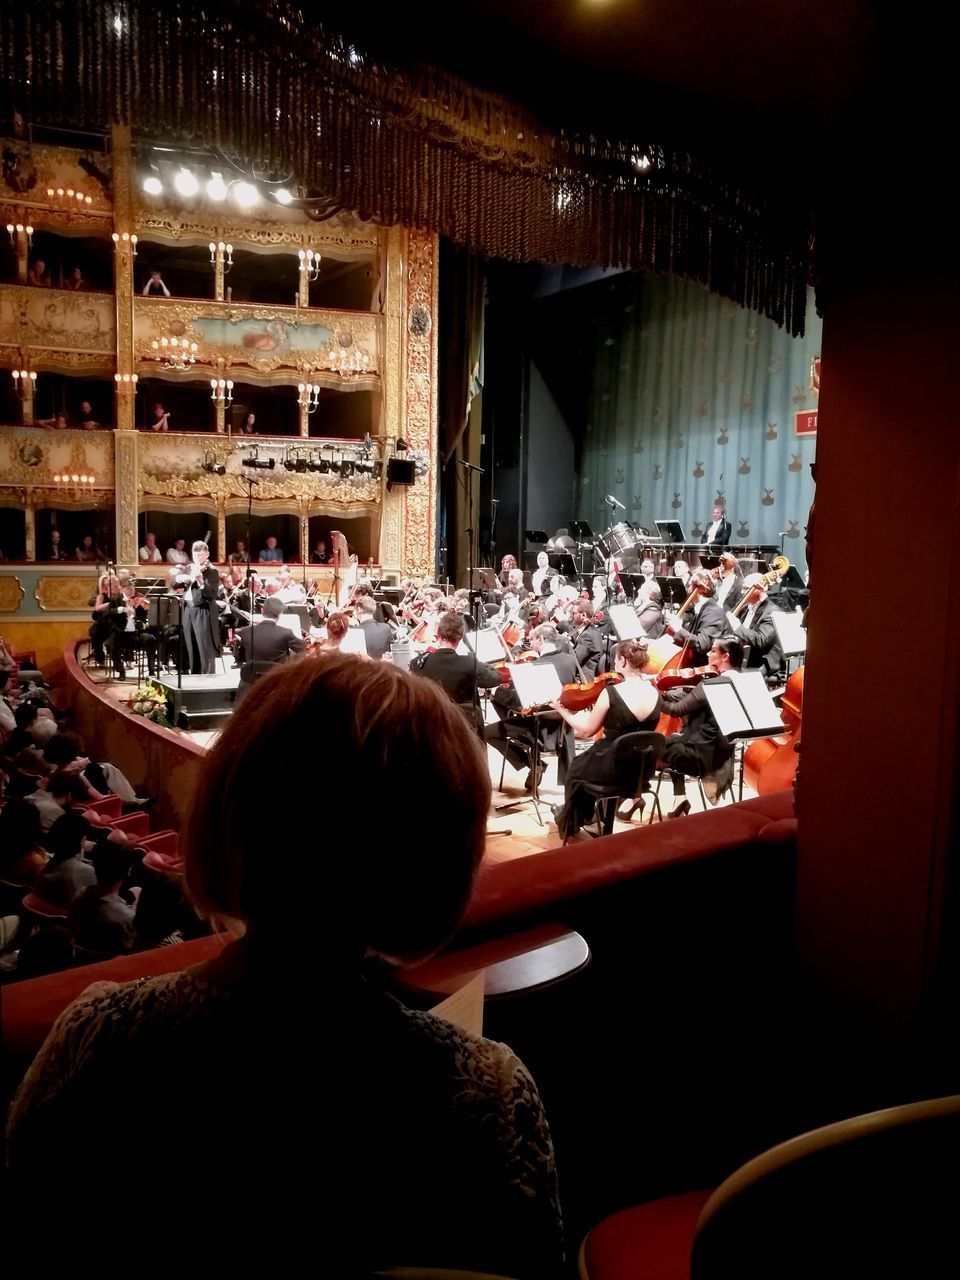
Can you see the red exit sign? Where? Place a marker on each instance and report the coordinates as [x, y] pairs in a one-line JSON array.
[[805, 422]]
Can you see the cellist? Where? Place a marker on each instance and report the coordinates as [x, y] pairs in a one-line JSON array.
[[707, 620]]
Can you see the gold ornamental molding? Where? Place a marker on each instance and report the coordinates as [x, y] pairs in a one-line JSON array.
[[420, 409], [345, 235], [31, 457], [11, 593], [63, 594]]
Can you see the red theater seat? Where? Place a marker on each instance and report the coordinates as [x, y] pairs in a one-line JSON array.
[[645, 1242]]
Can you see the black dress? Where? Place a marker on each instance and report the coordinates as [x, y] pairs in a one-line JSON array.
[[597, 764]]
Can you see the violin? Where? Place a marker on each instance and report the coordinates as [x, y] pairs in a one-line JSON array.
[[675, 679], [577, 697]]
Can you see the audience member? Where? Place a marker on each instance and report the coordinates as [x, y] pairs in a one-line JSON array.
[[271, 552], [224, 1056], [177, 554], [150, 552], [155, 287], [88, 552], [57, 551], [239, 556], [101, 917], [63, 792], [22, 856], [161, 418], [37, 274], [68, 872], [48, 950], [76, 281], [319, 553], [248, 427], [7, 717], [86, 418]]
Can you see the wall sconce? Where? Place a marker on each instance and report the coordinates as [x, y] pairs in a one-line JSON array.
[[16, 230], [175, 353], [68, 196], [225, 254], [22, 380], [309, 263], [221, 390], [126, 380], [309, 396], [125, 238]]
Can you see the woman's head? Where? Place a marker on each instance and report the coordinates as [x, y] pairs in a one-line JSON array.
[[400, 891], [337, 627], [631, 655], [65, 838], [20, 830]]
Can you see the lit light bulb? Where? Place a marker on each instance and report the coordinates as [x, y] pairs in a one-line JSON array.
[[186, 183], [246, 194], [216, 187], [152, 185]]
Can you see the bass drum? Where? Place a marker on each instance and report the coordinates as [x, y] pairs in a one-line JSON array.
[[619, 540]]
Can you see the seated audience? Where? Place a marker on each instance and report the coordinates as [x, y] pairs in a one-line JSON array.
[[7, 718], [88, 552], [271, 552], [86, 418], [37, 274], [155, 288], [238, 556], [68, 872], [319, 553], [101, 917], [443, 1130], [62, 793], [22, 855], [160, 420], [57, 551], [248, 427], [177, 554], [76, 281], [150, 552], [47, 950]]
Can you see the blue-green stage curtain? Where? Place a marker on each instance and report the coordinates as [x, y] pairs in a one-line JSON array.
[[692, 398]]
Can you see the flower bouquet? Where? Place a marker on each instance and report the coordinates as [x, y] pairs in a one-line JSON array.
[[150, 701]]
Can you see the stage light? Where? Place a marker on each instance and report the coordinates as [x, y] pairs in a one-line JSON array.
[[153, 186], [186, 183], [245, 194], [301, 465], [289, 464], [215, 468], [216, 187], [264, 464], [282, 196], [318, 464], [402, 445]]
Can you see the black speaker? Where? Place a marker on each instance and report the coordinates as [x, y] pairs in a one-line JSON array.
[[400, 471]]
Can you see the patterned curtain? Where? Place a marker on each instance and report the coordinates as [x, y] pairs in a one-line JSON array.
[[694, 398]]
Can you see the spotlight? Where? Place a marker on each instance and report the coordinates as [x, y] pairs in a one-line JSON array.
[[301, 465], [264, 464], [282, 196], [186, 183], [289, 464], [246, 194], [317, 464], [153, 186], [216, 187]]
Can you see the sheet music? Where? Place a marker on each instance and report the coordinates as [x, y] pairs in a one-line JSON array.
[[625, 622], [487, 645], [290, 622], [755, 697], [791, 636], [464, 1009], [727, 708], [354, 641], [536, 683]]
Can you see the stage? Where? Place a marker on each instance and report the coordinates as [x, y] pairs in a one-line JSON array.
[[201, 702]]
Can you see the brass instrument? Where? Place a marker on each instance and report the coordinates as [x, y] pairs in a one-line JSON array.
[[778, 567]]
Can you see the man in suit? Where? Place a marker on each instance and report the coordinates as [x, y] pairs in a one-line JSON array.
[[707, 624], [512, 736], [262, 645], [699, 749], [729, 589], [201, 617], [717, 533], [755, 628], [649, 608], [378, 635], [460, 674], [586, 639]]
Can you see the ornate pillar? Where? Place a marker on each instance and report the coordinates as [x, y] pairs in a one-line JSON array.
[[221, 529], [27, 412], [420, 399], [304, 420], [218, 271], [125, 243], [126, 448], [303, 290], [304, 531], [30, 526], [392, 376]]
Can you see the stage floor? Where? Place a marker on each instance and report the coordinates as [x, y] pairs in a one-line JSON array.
[[512, 833]]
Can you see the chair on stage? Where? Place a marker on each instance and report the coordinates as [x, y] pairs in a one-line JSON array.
[[631, 753], [526, 733], [723, 778]]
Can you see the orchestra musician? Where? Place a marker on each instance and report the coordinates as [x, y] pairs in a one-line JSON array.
[[649, 607], [717, 532], [755, 628], [460, 674], [707, 624], [540, 577], [201, 627], [699, 749], [585, 638], [378, 635], [517, 745], [262, 645], [729, 586], [632, 706], [134, 633], [108, 588]]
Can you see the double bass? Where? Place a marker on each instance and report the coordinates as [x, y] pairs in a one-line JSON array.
[[770, 764]]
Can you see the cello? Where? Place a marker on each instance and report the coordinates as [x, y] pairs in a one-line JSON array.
[[769, 764]]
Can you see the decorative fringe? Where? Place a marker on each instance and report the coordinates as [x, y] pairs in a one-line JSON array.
[[409, 145]]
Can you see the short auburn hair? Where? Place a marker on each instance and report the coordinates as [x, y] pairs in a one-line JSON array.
[[337, 626], [396, 888], [633, 652], [451, 627]]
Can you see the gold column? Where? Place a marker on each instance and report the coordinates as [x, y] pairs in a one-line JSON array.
[[304, 532], [126, 447], [221, 411], [304, 420], [30, 526], [125, 243], [23, 254], [221, 530], [218, 272], [392, 375], [28, 413], [303, 291]]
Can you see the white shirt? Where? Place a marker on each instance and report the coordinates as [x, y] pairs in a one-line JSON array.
[[723, 587], [8, 720], [152, 555], [712, 531], [177, 557]]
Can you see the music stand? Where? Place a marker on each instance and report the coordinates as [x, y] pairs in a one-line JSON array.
[[535, 685], [484, 580], [670, 531], [791, 634], [563, 563], [624, 620], [672, 591], [581, 530], [536, 535], [743, 709]]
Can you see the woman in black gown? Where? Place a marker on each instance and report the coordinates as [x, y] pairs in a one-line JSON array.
[[632, 706]]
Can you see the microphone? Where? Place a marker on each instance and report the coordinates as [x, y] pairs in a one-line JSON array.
[[470, 466], [250, 480], [614, 502]]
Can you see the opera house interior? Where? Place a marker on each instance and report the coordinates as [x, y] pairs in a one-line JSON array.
[[482, 844]]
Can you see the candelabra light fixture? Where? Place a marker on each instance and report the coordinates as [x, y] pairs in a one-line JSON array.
[[309, 263], [222, 251], [221, 390], [69, 196], [348, 363], [126, 380], [78, 483], [126, 238], [178, 354], [24, 380], [309, 396], [16, 230]]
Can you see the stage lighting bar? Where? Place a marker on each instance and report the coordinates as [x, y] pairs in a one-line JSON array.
[[264, 464]]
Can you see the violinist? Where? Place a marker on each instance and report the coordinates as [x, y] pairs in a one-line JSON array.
[[540, 577], [585, 638], [699, 749], [129, 615], [729, 586], [517, 744], [460, 674], [200, 615], [755, 628], [649, 603], [632, 706], [707, 623]]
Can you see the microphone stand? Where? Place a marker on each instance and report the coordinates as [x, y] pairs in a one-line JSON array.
[[250, 482], [473, 593]]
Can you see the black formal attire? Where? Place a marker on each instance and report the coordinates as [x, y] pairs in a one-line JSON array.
[[709, 623], [378, 637], [257, 653], [722, 536], [699, 749], [120, 643], [734, 593], [201, 620], [597, 764], [588, 647], [513, 737], [760, 636], [460, 675], [650, 616], [317, 558]]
